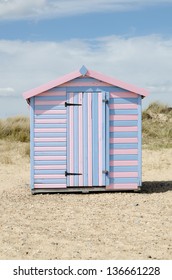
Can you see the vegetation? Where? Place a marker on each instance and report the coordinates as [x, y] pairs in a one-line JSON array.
[[156, 128], [15, 129]]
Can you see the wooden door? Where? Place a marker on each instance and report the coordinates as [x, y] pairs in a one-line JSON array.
[[86, 139]]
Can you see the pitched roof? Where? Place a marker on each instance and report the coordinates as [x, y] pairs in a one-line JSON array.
[[88, 73]]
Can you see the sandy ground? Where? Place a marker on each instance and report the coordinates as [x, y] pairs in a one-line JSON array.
[[116, 225]]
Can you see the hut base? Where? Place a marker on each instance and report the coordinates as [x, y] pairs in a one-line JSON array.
[[80, 190]]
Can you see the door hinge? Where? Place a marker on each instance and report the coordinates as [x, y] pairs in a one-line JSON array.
[[105, 100], [105, 172], [69, 174], [72, 104]]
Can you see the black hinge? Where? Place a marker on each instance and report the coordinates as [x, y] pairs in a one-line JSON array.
[[68, 174], [105, 172], [72, 104], [105, 100]]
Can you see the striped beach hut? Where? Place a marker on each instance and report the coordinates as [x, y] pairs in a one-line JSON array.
[[85, 134]]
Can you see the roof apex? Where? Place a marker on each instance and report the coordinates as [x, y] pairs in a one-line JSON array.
[[84, 72]]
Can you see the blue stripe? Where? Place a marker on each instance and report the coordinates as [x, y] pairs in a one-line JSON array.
[[50, 153], [50, 144], [50, 125], [123, 112], [95, 155], [95, 89], [85, 138], [49, 162], [123, 157], [103, 139], [123, 180], [140, 140], [124, 146], [32, 142], [49, 134], [50, 107], [124, 168], [75, 135], [123, 123], [107, 138], [121, 134], [55, 97], [57, 116], [49, 171], [50, 181], [123, 101]]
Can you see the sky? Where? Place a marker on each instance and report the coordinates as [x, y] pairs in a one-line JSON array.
[[41, 40]]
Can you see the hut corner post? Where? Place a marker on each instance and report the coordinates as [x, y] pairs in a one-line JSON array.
[[32, 143], [140, 141]]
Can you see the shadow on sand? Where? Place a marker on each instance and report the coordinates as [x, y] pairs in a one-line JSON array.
[[156, 186]]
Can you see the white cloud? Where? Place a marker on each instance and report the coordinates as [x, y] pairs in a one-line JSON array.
[[144, 61], [7, 92], [38, 9]]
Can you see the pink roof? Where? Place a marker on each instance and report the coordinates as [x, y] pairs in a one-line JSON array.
[[87, 73]]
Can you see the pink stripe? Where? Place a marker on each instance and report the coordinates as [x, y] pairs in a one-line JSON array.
[[51, 167], [50, 176], [123, 174], [123, 140], [80, 141], [50, 139], [123, 117], [89, 96], [123, 163], [49, 102], [124, 152], [123, 128], [71, 116], [50, 129], [49, 148], [50, 120], [122, 187], [51, 186], [123, 94], [50, 112], [50, 157], [123, 106], [100, 136], [53, 93]]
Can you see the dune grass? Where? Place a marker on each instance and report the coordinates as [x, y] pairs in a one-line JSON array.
[[15, 129], [156, 128]]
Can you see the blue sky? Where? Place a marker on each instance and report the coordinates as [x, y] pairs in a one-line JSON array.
[[41, 40]]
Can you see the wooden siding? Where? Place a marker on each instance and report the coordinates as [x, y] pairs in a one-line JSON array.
[[124, 139], [50, 139]]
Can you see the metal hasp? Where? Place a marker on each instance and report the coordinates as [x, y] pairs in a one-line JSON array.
[[105, 172], [72, 104]]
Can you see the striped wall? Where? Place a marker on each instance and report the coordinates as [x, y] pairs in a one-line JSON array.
[[124, 140], [69, 139], [50, 130]]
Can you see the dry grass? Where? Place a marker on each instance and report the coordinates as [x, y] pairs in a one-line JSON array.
[[157, 126], [15, 129]]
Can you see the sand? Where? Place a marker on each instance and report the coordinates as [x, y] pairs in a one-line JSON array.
[[119, 225]]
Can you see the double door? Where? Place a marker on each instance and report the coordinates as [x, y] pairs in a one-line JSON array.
[[87, 139]]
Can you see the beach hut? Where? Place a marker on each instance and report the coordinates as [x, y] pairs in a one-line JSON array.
[[85, 134]]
